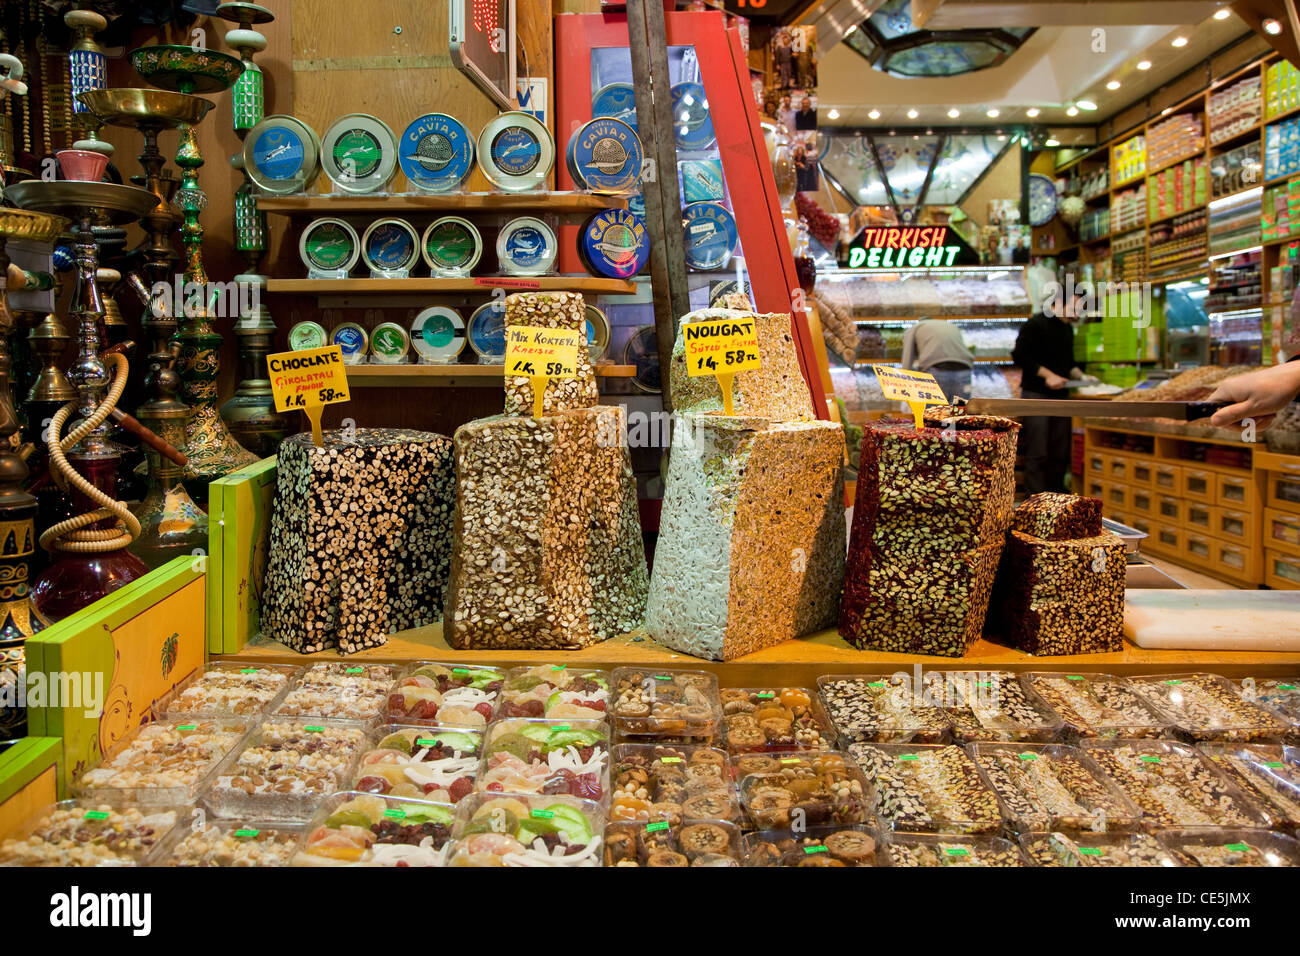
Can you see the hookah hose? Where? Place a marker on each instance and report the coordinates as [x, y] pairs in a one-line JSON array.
[[73, 535]]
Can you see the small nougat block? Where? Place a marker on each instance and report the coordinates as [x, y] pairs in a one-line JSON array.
[[1058, 517], [775, 391], [751, 540], [546, 550], [552, 310]]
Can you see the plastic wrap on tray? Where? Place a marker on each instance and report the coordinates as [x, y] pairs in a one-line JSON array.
[[992, 706], [228, 689], [228, 843], [928, 788], [1232, 848], [855, 845], [523, 755], [434, 763], [556, 692], [1097, 849], [1281, 697], [766, 719], [364, 829], [338, 690], [663, 843], [1207, 707], [677, 704], [1045, 787], [163, 764], [802, 789], [883, 708], [668, 782], [463, 695], [533, 830], [929, 849], [88, 833], [1097, 706], [1269, 774]]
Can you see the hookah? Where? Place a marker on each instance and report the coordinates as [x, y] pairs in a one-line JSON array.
[[89, 71], [10, 82]]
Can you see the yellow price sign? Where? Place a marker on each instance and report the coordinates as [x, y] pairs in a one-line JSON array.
[[722, 347], [541, 355], [917, 389], [307, 381]]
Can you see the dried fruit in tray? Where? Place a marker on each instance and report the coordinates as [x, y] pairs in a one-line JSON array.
[[556, 692], [928, 789], [218, 843], [432, 763], [662, 843], [1206, 707], [228, 689], [462, 695], [765, 719], [162, 763], [1046, 787], [1232, 848], [1097, 706], [991, 706], [367, 830], [881, 709], [923, 849], [654, 703], [1097, 849], [661, 782], [522, 755], [1269, 774], [527, 831], [1282, 697], [815, 846], [87, 833], [338, 690], [803, 789]]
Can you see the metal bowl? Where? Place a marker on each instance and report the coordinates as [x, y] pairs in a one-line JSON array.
[[34, 226], [145, 108], [119, 204], [185, 69]]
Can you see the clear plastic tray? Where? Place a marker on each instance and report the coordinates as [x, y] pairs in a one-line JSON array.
[[228, 843], [1097, 706], [537, 830], [665, 703], [338, 690], [932, 849], [806, 790], [439, 764], [1267, 773], [463, 695], [167, 763], [364, 829], [667, 844], [856, 845], [928, 788], [657, 782], [228, 689], [89, 833], [523, 755], [1233, 848], [1281, 697], [883, 708], [1207, 707], [1045, 787], [768, 719], [556, 692], [992, 706], [1097, 849]]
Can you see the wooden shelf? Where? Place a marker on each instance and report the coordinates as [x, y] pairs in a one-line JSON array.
[[485, 284], [1174, 215], [448, 376], [1236, 139], [1157, 170], [325, 204], [1103, 197]]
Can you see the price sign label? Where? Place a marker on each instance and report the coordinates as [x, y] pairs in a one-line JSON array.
[[541, 355], [722, 347], [917, 389], [307, 381]]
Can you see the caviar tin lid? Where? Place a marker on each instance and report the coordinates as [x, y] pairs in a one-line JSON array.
[[436, 153], [389, 343], [605, 156], [451, 246], [597, 333], [702, 180], [718, 290], [359, 153], [516, 151], [308, 335], [351, 340], [526, 247], [692, 125], [642, 351], [710, 236], [617, 101], [487, 332], [390, 245], [329, 245], [438, 334], [614, 243], [282, 155]]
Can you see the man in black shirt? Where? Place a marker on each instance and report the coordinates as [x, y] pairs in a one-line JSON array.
[[806, 118], [1045, 354]]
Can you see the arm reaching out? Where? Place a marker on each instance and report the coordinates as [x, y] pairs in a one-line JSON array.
[[1256, 394]]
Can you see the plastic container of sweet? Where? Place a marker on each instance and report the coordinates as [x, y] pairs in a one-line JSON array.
[[928, 788], [1269, 774], [228, 843], [673, 782], [1097, 706], [665, 843], [805, 789], [537, 830], [365, 829], [770, 719], [89, 833], [1207, 707], [554, 691], [948, 849], [1281, 697], [665, 703], [228, 689], [451, 694], [855, 845], [880, 708], [167, 763], [526, 755], [1096, 849], [991, 706], [338, 690], [434, 763], [1232, 848]]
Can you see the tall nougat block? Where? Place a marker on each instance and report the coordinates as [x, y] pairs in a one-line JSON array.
[[776, 390], [1058, 517], [547, 550], [360, 542], [751, 539], [552, 310]]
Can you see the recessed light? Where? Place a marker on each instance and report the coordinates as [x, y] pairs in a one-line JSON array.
[[1086, 105], [833, 114], [1031, 112], [1222, 13], [992, 114], [1072, 111], [1272, 27], [954, 113], [1002, 137], [1113, 85], [1178, 41], [912, 114], [874, 114], [1052, 142], [1144, 64]]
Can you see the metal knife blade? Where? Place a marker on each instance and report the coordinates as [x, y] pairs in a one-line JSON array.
[[1085, 408]]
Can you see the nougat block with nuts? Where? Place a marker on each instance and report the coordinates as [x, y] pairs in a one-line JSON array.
[[751, 539], [1058, 517], [546, 550], [552, 310]]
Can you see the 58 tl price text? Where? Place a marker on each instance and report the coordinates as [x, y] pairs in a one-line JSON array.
[[729, 359], [324, 397], [527, 368]]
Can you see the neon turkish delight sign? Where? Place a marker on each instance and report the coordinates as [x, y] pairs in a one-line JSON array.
[[908, 247]]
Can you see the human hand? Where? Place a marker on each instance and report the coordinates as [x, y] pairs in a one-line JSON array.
[[1054, 381], [1256, 395]]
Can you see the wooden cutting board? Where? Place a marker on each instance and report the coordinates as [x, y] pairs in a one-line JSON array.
[[1213, 620]]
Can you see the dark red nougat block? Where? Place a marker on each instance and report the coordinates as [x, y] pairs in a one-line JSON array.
[[1057, 517]]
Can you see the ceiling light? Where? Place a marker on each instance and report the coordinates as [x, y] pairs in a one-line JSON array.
[[1272, 27], [1222, 13], [850, 31], [833, 114], [912, 114], [1144, 64], [1052, 142], [1113, 85], [1002, 138], [1086, 105], [874, 114], [1072, 111], [1178, 41], [954, 113], [1031, 112], [992, 114]]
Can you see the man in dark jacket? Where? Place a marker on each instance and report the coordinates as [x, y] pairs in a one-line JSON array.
[[1045, 354]]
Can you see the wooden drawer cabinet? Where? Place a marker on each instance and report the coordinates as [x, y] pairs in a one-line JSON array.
[[1236, 491], [1096, 465], [1284, 491], [1199, 548], [1282, 531], [1096, 490], [1168, 478], [1198, 517], [1117, 497], [1142, 501], [1238, 527], [1166, 539], [1234, 561], [1281, 571], [1119, 468], [1199, 485], [1142, 473], [1142, 523], [1170, 511]]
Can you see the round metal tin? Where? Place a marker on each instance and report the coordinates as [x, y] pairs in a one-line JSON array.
[[451, 246], [711, 236], [597, 333], [526, 247], [359, 153], [438, 334], [282, 155], [308, 335], [390, 245], [614, 243], [641, 350], [329, 245], [617, 101], [516, 151], [352, 340], [436, 153], [692, 125], [605, 156], [389, 344], [487, 332]]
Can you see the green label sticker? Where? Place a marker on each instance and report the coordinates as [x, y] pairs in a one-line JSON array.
[[248, 670], [558, 667], [1237, 847], [96, 815], [246, 834], [1090, 850], [656, 827], [395, 813], [956, 851], [314, 729], [908, 757], [1149, 759], [187, 726], [1286, 686], [460, 670], [560, 729], [786, 761], [1273, 764], [766, 695], [354, 670], [670, 759], [1173, 682], [542, 814], [876, 683], [1028, 756], [663, 677], [983, 683], [425, 742], [1073, 677], [815, 849]]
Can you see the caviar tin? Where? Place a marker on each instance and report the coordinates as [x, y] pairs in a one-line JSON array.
[[436, 153], [451, 246], [597, 333], [487, 333], [438, 335], [282, 155], [526, 247], [692, 125], [729, 287], [359, 153], [605, 156], [390, 246], [617, 101], [614, 243], [711, 236], [642, 352], [329, 248], [702, 180], [352, 340], [308, 335], [516, 151], [389, 344]]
